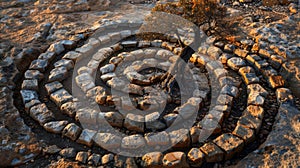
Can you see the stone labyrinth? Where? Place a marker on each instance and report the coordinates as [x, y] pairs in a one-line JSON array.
[[106, 92]]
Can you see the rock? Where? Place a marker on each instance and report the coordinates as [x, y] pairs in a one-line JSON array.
[[252, 88], [284, 95], [107, 158], [214, 52], [41, 113], [86, 137], [236, 63], [160, 138], [38, 64], [249, 121], [225, 57], [101, 99], [72, 55], [31, 104], [64, 63], [85, 49], [195, 133], [85, 70], [82, 157], [256, 99], [152, 160], [53, 86], [152, 121], [57, 48], [195, 157], [230, 144], [88, 116], [264, 53], [108, 76], [261, 64], [107, 68], [30, 85], [253, 58], [68, 44], [229, 48], [276, 61], [241, 53], [276, 81], [55, 126], [228, 80], [68, 153], [94, 159], [58, 74], [220, 72], [128, 44], [60, 97], [212, 152], [180, 138], [53, 149], [134, 122], [28, 95], [115, 119], [175, 159], [250, 78], [224, 99], [69, 108], [293, 8], [92, 93], [33, 74], [133, 89], [256, 111], [230, 90], [108, 140], [48, 56], [130, 162], [170, 118], [72, 131], [247, 69], [244, 133], [133, 142]]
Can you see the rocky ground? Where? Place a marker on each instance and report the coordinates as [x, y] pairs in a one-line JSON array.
[[253, 123]]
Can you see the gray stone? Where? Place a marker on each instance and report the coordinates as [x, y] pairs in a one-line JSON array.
[[155, 139], [33, 74], [128, 44], [244, 133], [236, 63], [82, 157], [53, 149], [85, 49], [264, 53], [72, 55], [60, 97], [86, 137], [212, 152], [256, 99], [250, 78], [195, 157], [171, 118], [230, 90], [28, 95], [257, 88], [71, 131], [31, 104], [284, 95], [152, 121], [57, 48], [261, 64], [115, 119], [30, 85], [152, 160], [180, 138], [58, 74], [230, 144], [92, 93], [68, 153], [245, 70], [64, 63], [53, 86], [212, 65], [134, 122], [175, 159], [41, 113], [228, 80], [84, 69], [240, 52], [108, 76], [256, 111], [107, 68], [133, 142], [55, 126], [229, 48], [68, 44], [224, 99], [220, 72], [276, 61], [214, 52], [101, 99], [253, 58], [69, 108], [94, 159], [48, 56], [87, 116], [249, 121], [38, 64], [107, 158], [108, 141], [225, 57]]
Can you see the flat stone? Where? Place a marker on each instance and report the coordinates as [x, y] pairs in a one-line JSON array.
[[224, 99], [195, 157], [85, 49], [236, 63], [64, 63], [30, 85], [55, 126], [223, 108], [229, 48], [87, 116], [134, 122], [84, 69], [264, 53], [261, 64], [228, 80], [212, 65], [92, 93], [175, 159], [249, 121], [108, 141], [83, 79], [245, 70], [28, 95], [276, 81], [256, 99], [133, 142], [31, 104], [82, 157], [115, 119], [152, 121], [216, 115], [41, 113], [68, 153], [72, 55], [33, 74], [230, 144], [68, 44], [38, 64], [128, 44], [257, 88], [187, 110], [159, 138], [214, 52], [171, 118], [180, 138], [60, 97], [58, 74], [94, 159], [53, 86], [72, 131], [269, 71], [57, 48], [212, 152], [240, 52], [250, 78], [256, 111], [48, 56], [230, 90], [69, 108], [284, 95], [107, 158], [53, 149], [276, 61], [225, 57], [107, 68], [244, 133], [253, 58], [152, 160], [86, 137], [133, 89]]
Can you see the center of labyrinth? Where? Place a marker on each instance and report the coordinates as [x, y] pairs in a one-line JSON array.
[[119, 101]]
